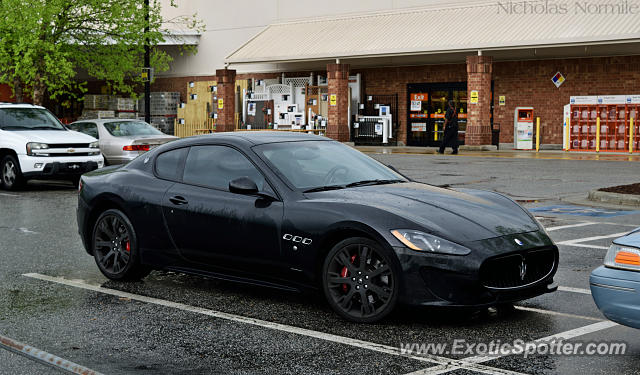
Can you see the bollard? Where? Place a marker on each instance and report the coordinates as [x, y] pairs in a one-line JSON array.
[[568, 133], [435, 132], [631, 135], [537, 134], [598, 134]]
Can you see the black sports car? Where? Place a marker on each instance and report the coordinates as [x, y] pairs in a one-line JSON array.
[[300, 211]]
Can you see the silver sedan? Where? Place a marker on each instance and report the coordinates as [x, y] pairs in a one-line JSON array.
[[122, 140]]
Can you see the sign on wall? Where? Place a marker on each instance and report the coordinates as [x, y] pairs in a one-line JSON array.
[[333, 99], [558, 79], [501, 100], [419, 127], [416, 105], [473, 98], [220, 103]]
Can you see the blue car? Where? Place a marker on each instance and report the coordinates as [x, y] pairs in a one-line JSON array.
[[616, 285]]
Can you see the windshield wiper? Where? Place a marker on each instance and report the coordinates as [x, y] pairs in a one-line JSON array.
[[373, 182], [13, 127], [46, 127], [324, 188]]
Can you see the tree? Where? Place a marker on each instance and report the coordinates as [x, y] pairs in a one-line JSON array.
[[46, 45]]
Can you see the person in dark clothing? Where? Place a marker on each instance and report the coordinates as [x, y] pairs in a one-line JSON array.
[[450, 138]]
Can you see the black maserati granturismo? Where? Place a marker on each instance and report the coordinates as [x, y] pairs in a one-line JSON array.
[[299, 212]]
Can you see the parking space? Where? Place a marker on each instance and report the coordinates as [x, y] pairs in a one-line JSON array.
[[53, 297]]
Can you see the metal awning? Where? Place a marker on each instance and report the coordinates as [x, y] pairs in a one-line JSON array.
[[180, 38], [443, 30]]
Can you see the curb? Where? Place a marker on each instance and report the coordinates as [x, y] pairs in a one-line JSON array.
[[614, 198]]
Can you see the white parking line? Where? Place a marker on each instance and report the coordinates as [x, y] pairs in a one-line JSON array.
[[81, 284], [9, 195], [44, 357], [579, 241], [567, 335], [556, 313], [584, 224], [574, 290]]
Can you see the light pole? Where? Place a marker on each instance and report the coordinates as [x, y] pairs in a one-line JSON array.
[[147, 63]]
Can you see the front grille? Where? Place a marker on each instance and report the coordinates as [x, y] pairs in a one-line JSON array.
[[518, 270], [69, 155], [69, 145]]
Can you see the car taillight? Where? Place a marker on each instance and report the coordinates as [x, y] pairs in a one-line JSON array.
[[136, 148], [80, 186]]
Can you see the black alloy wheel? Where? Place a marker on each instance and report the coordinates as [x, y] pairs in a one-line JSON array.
[[360, 280], [10, 174], [115, 247]]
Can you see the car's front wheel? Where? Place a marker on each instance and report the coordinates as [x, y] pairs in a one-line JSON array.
[[115, 247], [10, 173], [360, 280]]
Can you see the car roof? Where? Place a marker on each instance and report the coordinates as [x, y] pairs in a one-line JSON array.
[[103, 120], [19, 105], [262, 137]]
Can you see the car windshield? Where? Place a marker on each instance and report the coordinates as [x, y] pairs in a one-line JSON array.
[[130, 128], [28, 119], [324, 165]]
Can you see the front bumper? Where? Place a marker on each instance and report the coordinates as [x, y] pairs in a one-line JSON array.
[[448, 280], [39, 167], [617, 294]]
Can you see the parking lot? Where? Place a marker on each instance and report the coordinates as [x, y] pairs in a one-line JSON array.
[[53, 298]]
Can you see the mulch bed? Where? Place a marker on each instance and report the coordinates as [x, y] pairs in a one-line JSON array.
[[623, 189]]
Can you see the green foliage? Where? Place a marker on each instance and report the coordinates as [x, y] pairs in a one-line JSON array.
[[46, 45]]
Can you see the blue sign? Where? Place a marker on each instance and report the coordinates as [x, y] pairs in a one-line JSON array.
[[581, 211]]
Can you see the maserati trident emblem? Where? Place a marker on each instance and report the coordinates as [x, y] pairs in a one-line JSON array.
[[523, 270], [518, 242]]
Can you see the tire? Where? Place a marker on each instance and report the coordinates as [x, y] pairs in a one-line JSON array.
[[347, 280], [115, 247], [10, 173]]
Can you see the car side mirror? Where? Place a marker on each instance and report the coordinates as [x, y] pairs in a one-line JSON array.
[[243, 185]]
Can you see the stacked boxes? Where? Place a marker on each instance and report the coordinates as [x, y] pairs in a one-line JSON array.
[[164, 109], [107, 106]]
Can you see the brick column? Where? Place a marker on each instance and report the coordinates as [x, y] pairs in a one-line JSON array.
[[226, 85], [338, 80], [479, 70]]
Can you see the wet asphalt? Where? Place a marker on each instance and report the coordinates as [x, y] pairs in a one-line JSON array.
[[119, 335]]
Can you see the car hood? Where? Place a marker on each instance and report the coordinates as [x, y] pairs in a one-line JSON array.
[[462, 215], [53, 136], [632, 239]]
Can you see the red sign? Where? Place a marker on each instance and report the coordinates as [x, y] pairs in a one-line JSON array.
[[419, 96], [418, 115]]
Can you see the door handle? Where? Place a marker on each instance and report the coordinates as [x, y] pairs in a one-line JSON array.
[[178, 200]]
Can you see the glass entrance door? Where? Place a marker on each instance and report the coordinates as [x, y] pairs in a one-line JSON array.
[[428, 103]]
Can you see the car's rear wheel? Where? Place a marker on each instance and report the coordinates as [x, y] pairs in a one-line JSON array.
[[115, 247], [10, 173], [360, 280]]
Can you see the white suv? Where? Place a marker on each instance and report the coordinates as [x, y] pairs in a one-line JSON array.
[[35, 145]]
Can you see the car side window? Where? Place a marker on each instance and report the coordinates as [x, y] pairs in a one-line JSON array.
[[216, 166], [87, 128], [169, 164]]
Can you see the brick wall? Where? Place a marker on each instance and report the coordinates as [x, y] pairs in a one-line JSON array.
[[528, 83], [338, 81], [385, 81], [479, 70]]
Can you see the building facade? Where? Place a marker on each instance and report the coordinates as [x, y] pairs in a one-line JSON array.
[[490, 58]]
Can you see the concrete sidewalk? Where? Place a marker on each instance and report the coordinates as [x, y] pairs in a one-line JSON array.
[[504, 153]]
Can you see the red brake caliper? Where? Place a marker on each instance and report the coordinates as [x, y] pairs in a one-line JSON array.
[[345, 273], [128, 246]]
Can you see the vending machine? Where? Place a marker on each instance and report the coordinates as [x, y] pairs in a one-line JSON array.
[[523, 128]]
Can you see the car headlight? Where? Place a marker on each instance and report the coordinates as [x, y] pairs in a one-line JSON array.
[[421, 241], [95, 144], [35, 146], [623, 257]]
